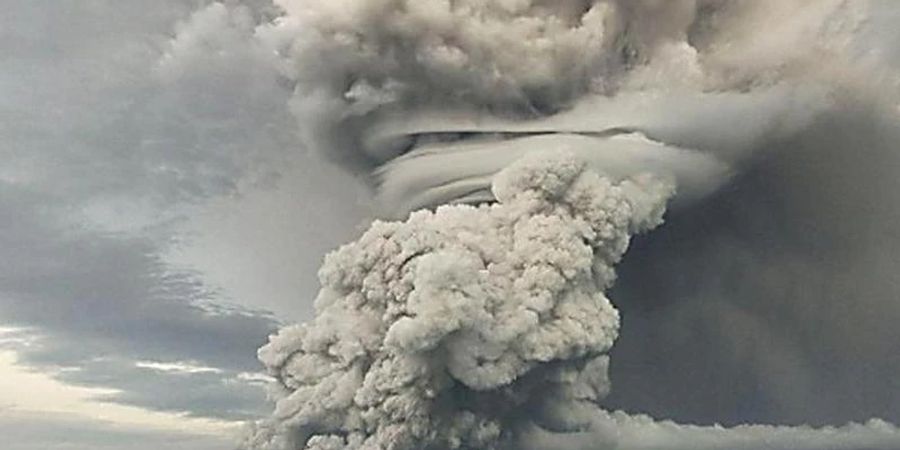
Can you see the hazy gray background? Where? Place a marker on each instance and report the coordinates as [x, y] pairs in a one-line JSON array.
[[116, 177]]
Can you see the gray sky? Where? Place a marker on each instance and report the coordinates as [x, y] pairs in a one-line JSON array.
[[121, 181]]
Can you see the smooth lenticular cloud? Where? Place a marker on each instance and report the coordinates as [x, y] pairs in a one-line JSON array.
[[486, 324]]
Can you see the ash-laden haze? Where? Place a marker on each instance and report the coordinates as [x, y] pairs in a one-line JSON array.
[[771, 125]]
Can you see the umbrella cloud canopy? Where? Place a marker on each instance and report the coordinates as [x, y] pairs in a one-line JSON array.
[[441, 83]]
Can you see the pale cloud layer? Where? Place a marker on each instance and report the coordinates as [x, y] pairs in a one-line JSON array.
[[18, 396], [49, 431]]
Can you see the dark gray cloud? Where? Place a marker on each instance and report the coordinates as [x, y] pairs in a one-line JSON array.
[[775, 301]]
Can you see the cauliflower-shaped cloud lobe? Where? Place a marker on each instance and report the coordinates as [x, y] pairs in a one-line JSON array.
[[460, 326]]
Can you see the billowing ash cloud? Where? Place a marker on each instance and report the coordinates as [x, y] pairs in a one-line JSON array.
[[441, 83], [439, 331], [486, 326]]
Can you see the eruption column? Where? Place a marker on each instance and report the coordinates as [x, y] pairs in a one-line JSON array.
[[487, 328], [458, 327], [545, 134]]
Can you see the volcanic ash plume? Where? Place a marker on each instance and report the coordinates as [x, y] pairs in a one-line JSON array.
[[487, 328], [430, 98], [458, 327]]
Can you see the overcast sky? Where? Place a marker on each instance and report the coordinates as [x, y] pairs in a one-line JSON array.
[[134, 202], [158, 213]]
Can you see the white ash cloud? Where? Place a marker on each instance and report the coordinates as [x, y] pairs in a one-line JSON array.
[[437, 332], [488, 328]]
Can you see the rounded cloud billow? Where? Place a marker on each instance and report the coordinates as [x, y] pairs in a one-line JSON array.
[[376, 80], [520, 144], [439, 331]]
